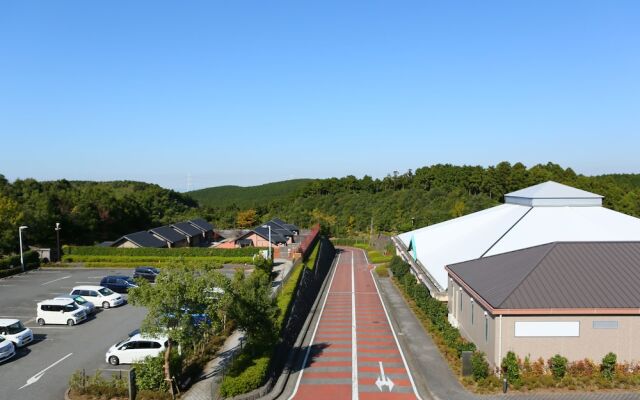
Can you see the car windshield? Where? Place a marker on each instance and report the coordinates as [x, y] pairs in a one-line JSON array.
[[130, 281], [155, 270], [70, 307], [105, 291], [122, 342], [80, 300], [15, 328], [2, 339]]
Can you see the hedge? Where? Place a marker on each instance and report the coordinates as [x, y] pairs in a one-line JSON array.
[[173, 252], [249, 371], [30, 258], [154, 260]]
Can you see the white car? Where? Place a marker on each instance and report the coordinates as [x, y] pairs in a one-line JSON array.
[[64, 311], [135, 349], [7, 349], [80, 301], [13, 330], [100, 296]]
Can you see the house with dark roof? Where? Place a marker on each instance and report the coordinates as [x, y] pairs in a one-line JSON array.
[[577, 299], [208, 234], [194, 235], [280, 230], [170, 235], [288, 226], [139, 239]]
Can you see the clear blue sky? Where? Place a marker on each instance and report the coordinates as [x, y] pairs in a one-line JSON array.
[[240, 92]]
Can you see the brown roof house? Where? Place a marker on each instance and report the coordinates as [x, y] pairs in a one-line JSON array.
[[577, 299]]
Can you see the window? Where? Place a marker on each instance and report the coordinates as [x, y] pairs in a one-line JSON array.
[[547, 328], [605, 324], [486, 329], [155, 345]]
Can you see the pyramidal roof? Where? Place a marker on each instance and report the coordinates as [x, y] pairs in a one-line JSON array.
[[553, 194]]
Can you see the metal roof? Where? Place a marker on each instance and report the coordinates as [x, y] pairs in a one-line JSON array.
[[279, 228], [275, 237], [552, 193], [168, 233], [509, 227], [143, 239], [286, 225], [201, 224], [187, 229], [559, 275]]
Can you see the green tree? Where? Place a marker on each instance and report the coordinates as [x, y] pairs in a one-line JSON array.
[[10, 218], [180, 291]]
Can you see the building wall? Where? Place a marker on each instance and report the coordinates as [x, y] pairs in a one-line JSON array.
[[227, 245], [127, 245], [590, 343], [474, 331]]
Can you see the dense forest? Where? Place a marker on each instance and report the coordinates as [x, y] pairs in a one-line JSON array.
[[88, 212], [91, 212], [223, 196]]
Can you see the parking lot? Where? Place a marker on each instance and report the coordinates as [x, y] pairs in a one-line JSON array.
[[42, 369]]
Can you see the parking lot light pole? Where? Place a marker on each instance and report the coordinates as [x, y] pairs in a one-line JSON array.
[[20, 236], [269, 226], [58, 254]]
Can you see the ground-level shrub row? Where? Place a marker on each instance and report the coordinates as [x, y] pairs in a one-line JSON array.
[[172, 252], [249, 371], [155, 261]]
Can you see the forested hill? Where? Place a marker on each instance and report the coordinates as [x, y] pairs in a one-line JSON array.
[[89, 212], [251, 196], [422, 197]]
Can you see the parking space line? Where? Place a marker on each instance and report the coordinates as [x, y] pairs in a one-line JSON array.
[[55, 280], [92, 282]]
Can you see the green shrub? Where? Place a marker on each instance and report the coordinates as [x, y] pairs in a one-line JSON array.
[[375, 257], [154, 260], [263, 264], [172, 252], [150, 374], [382, 271], [479, 365], [398, 267], [608, 366], [96, 385], [558, 366], [249, 379], [510, 367], [31, 260]]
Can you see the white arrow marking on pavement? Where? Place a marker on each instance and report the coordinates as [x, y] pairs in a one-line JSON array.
[[40, 374], [55, 280], [383, 380]]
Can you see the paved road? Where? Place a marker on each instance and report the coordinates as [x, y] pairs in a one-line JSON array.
[[353, 352], [58, 350]]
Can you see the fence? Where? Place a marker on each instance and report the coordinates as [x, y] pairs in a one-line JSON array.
[[307, 244]]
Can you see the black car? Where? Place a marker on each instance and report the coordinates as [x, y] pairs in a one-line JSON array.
[[118, 283], [148, 273]]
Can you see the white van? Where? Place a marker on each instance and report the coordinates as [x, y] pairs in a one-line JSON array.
[[100, 296], [135, 349], [64, 311], [7, 349], [13, 330]]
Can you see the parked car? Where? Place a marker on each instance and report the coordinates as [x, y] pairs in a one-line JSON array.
[[135, 349], [80, 301], [7, 349], [100, 296], [64, 311], [148, 273], [13, 330], [118, 283]]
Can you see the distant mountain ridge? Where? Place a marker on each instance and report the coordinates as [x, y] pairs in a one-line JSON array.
[[249, 196]]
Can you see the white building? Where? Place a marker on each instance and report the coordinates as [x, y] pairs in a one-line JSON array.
[[539, 214]]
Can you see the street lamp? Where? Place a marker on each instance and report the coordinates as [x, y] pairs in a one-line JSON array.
[[269, 226], [20, 236], [58, 255]]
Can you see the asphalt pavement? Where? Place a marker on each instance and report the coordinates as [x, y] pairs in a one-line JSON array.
[[42, 369]]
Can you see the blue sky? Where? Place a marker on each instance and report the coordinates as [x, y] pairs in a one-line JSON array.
[[244, 93]]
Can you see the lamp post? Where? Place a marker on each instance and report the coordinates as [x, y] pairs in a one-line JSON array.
[[269, 226], [20, 236], [58, 255]]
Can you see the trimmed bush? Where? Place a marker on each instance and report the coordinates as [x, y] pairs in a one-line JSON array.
[[150, 374], [382, 271], [479, 365], [249, 379], [558, 366], [510, 367], [173, 252], [608, 366], [398, 267]]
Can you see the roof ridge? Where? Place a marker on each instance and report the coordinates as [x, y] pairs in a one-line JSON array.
[[553, 246], [507, 232]]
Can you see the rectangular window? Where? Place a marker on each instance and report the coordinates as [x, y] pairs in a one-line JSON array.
[[605, 324], [471, 313], [486, 329], [547, 329]]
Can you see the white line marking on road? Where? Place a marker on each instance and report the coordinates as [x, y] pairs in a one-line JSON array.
[[39, 375], [48, 327], [395, 337], [95, 277], [354, 339], [14, 316], [92, 282], [6, 285], [384, 380], [55, 280], [315, 330]]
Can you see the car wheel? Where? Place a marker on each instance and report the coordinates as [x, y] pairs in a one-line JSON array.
[[105, 305], [113, 360], [70, 322], [40, 321]]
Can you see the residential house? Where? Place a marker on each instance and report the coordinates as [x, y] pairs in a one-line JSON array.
[[139, 239], [173, 237]]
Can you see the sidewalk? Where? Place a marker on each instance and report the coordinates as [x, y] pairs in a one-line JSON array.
[[208, 382], [431, 372]]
